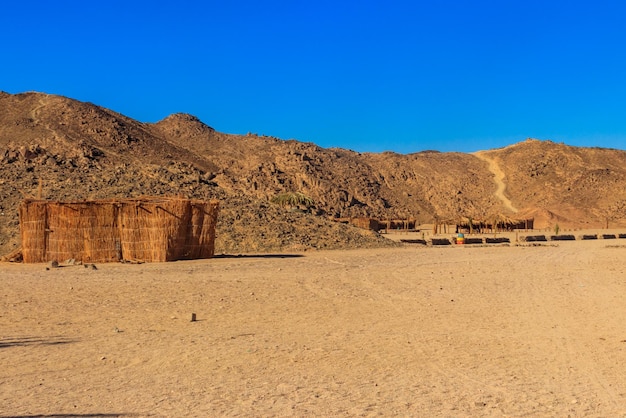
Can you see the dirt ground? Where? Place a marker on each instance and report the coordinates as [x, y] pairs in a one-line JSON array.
[[450, 331]]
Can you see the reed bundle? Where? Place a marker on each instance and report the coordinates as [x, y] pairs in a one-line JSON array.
[[146, 229]]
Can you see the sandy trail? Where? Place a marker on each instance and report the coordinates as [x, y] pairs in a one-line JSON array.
[[498, 177], [34, 114], [461, 331]]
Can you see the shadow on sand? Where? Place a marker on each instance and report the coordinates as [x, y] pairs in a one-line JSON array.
[[257, 256], [69, 416], [28, 341]]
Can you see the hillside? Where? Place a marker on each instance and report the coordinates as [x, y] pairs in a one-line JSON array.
[[78, 150]]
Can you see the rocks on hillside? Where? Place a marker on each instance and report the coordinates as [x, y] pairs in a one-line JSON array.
[[77, 150]]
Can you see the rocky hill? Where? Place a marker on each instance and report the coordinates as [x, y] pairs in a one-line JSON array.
[[66, 149]]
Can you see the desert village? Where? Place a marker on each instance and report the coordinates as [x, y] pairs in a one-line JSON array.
[[159, 229]]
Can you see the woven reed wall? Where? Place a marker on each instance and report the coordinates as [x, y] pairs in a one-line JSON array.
[[365, 223], [146, 229]]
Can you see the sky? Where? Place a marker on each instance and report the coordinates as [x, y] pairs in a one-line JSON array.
[[370, 76]]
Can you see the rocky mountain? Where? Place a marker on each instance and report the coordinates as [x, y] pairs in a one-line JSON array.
[[64, 149]]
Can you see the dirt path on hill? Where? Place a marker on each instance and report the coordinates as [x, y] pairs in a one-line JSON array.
[[34, 114], [498, 177]]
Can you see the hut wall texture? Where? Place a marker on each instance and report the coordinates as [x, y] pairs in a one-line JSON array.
[[146, 229], [365, 223]]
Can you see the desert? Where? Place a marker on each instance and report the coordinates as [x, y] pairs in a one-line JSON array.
[[505, 330], [300, 312], [312, 209]]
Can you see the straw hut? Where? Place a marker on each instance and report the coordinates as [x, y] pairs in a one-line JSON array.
[[494, 223], [365, 223], [502, 222], [146, 229], [377, 224], [396, 224]]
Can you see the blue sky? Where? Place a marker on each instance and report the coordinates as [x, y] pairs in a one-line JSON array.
[[370, 76]]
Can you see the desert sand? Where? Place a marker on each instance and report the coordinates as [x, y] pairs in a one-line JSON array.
[[417, 331]]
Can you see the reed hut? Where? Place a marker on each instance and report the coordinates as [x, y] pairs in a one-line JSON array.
[[365, 223], [404, 224], [377, 224], [494, 223], [149, 229]]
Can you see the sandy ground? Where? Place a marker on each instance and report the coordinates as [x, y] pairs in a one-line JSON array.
[[418, 331]]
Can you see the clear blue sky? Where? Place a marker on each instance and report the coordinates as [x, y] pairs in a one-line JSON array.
[[365, 75]]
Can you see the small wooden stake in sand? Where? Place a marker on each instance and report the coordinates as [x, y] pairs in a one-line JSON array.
[[193, 317]]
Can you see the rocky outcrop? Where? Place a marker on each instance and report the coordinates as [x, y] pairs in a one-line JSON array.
[[66, 149]]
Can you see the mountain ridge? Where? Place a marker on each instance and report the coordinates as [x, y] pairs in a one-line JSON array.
[[81, 150]]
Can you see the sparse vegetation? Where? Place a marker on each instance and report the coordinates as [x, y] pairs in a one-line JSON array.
[[293, 200]]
